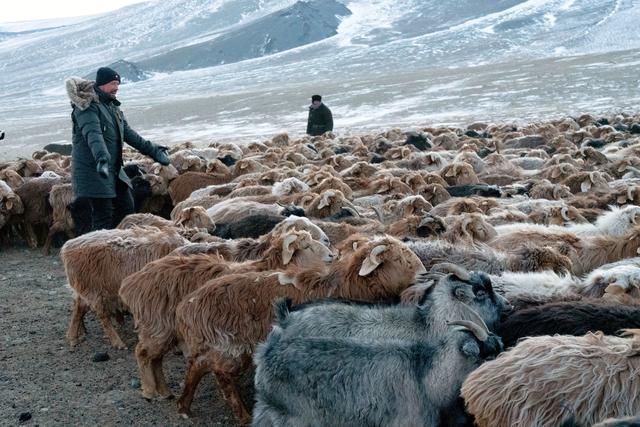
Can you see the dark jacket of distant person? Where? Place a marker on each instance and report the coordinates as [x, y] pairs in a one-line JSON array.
[[320, 118]]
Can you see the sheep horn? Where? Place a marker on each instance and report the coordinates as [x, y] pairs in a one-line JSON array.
[[426, 221], [468, 325], [350, 205], [449, 268], [379, 213], [565, 213], [351, 210], [555, 194], [630, 191]]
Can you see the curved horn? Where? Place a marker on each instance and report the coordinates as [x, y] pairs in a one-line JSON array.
[[379, 213], [564, 212], [476, 330], [287, 252], [372, 261], [352, 208]]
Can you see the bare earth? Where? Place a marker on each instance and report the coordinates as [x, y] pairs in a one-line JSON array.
[[40, 375]]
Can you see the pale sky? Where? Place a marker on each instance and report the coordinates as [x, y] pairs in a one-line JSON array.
[[29, 10]]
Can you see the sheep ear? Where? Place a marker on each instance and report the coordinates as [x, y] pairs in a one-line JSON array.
[[585, 186], [621, 200], [324, 201], [461, 293], [371, 262], [470, 348], [622, 168], [450, 172], [555, 173], [287, 250], [614, 289], [9, 204]]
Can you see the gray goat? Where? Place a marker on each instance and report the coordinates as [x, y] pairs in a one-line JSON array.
[[322, 381], [448, 299]]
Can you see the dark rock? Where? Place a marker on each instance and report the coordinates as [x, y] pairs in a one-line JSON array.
[[635, 128], [25, 416], [418, 140], [64, 149], [135, 383], [376, 158], [100, 357]]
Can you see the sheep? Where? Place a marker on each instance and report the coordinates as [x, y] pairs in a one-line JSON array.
[[11, 178], [338, 231], [235, 209], [614, 279], [182, 187], [482, 190], [435, 194], [249, 249], [390, 382], [96, 263], [459, 173], [432, 301], [222, 321], [289, 186], [34, 194], [483, 258], [153, 293], [543, 380], [569, 318], [328, 203], [468, 228], [426, 226], [583, 182], [10, 203], [60, 197]]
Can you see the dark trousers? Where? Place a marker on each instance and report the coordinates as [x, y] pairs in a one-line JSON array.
[[92, 213]]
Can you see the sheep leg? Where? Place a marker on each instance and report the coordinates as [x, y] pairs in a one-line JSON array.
[[147, 377], [196, 369], [30, 236], [76, 326], [227, 373], [109, 330], [57, 227], [161, 386]]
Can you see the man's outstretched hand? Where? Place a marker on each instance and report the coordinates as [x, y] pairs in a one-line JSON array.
[[103, 168]]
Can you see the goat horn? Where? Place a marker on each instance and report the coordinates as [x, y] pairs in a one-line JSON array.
[[476, 330], [476, 318], [447, 267], [351, 210], [565, 213], [379, 213], [630, 191], [352, 206]]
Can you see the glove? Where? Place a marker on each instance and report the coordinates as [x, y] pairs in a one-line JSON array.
[[161, 155], [103, 168]]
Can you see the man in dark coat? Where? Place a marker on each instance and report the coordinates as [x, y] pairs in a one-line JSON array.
[[320, 118], [99, 131]]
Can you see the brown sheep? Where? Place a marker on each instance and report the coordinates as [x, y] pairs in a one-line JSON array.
[[583, 182], [435, 194], [182, 187], [459, 173], [328, 203], [556, 215], [468, 228], [427, 226], [60, 198], [11, 177], [97, 262], [153, 293], [457, 206], [224, 320]]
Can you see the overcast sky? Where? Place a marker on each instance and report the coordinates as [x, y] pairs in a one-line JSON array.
[[29, 10]]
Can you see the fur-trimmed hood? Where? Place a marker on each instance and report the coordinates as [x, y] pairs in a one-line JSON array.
[[81, 92]]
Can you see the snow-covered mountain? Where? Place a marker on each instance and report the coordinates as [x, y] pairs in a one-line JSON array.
[[378, 63]]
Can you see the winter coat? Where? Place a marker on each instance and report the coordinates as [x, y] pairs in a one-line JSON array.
[[99, 130], [320, 120]]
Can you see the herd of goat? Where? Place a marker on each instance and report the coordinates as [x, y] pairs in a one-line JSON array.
[[484, 276]]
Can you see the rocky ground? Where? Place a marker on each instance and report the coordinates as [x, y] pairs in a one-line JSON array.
[[43, 382]]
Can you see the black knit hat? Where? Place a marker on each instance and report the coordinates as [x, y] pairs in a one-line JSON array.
[[106, 75], [316, 98]]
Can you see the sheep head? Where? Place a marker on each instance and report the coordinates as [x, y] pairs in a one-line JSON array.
[[303, 224], [195, 217], [435, 194], [306, 250]]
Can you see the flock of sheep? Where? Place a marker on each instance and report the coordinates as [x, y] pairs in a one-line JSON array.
[[483, 276]]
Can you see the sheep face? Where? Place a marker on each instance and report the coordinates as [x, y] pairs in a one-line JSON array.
[[306, 250], [388, 261], [195, 217], [300, 223]]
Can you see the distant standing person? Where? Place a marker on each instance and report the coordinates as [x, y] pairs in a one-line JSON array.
[[99, 131], [320, 117]]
